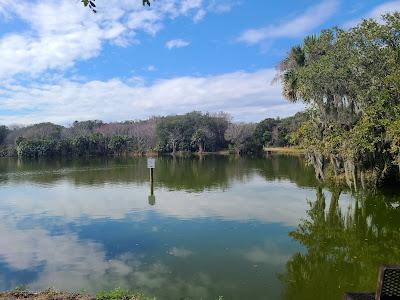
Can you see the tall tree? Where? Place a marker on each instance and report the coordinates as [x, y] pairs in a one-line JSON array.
[[350, 81], [3, 133], [242, 138]]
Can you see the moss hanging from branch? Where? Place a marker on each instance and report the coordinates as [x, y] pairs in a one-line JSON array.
[[350, 81]]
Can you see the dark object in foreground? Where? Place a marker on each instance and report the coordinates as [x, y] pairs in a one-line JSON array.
[[388, 286]]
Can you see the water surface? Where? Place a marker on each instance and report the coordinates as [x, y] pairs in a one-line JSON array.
[[244, 228]]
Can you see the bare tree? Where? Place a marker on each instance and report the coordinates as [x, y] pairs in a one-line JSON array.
[[238, 134]]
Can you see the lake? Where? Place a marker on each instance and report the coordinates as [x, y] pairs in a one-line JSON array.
[[242, 228]]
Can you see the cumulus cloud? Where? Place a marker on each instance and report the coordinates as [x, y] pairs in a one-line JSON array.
[[246, 95], [376, 13], [295, 27], [60, 33], [177, 43]]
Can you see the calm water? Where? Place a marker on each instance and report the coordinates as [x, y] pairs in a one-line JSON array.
[[242, 228]]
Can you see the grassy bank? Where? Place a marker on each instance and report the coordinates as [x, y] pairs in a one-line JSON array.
[[51, 294], [286, 150]]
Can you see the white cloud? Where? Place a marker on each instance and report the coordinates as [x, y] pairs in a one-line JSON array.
[[297, 27], [177, 43], [151, 68], [60, 33], [219, 6], [376, 13], [215, 6], [268, 253], [199, 15], [232, 204], [4, 8], [187, 5], [384, 8], [248, 96], [179, 252], [67, 262], [148, 21]]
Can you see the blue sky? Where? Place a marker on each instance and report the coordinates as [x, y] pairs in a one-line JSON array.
[[60, 62]]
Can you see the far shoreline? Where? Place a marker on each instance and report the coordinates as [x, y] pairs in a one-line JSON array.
[[224, 152], [285, 150]]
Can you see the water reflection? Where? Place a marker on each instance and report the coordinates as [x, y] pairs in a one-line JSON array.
[[344, 247], [174, 173], [217, 186], [218, 226]]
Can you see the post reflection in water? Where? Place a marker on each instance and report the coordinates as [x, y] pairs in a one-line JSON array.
[[244, 228], [152, 197]]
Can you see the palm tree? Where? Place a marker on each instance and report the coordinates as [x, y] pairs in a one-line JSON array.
[[287, 73]]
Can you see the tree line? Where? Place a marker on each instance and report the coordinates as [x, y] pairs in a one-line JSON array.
[[191, 132], [350, 80]]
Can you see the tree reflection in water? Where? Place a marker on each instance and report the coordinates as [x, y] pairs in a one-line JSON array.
[[343, 247]]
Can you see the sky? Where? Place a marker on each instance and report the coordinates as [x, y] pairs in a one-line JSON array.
[[59, 62]]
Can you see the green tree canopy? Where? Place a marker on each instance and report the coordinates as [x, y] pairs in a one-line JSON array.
[[351, 83]]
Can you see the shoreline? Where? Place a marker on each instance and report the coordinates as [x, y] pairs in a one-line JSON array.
[[285, 150], [44, 295], [226, 152], [52, 294]]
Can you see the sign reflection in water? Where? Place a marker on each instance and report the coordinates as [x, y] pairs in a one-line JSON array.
[[243, 228]]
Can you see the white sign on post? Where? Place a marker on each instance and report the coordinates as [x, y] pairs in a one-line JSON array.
[[151, 163]]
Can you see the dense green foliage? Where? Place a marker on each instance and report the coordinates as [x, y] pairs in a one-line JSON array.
[[351, 83], [192, 132], [276, 132], [81, 139]]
